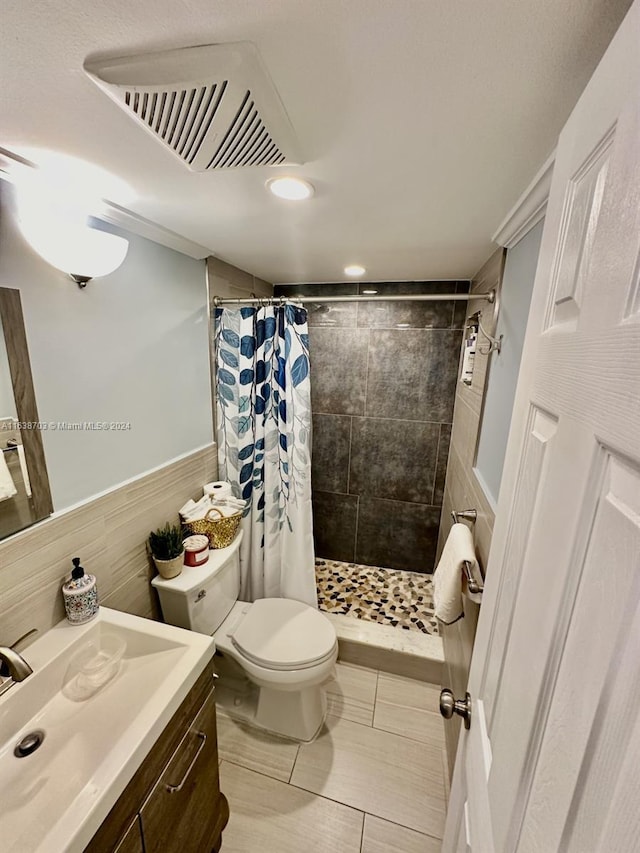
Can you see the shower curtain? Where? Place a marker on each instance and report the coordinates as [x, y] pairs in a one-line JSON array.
[[263, 407]]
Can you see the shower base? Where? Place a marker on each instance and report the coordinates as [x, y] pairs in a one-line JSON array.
[[386, 596]]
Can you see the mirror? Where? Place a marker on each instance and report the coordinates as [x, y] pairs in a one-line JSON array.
[[25, 496]]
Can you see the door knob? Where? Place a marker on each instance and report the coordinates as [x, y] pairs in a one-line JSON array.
[[450, 706]]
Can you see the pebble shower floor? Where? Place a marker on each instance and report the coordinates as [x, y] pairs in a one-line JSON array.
[[386, 596]]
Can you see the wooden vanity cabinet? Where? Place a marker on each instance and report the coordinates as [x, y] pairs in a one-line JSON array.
[[173, 804], [132, 840]]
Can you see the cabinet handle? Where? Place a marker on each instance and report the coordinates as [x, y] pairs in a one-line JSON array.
[[173, 789]]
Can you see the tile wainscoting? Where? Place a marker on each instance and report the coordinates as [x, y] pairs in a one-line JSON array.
[[109, 534], [383, 379], [463, 491]]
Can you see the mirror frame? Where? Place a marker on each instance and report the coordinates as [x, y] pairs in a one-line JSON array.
[[15, 338]]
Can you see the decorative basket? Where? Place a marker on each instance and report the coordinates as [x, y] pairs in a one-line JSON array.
[[219, 531]]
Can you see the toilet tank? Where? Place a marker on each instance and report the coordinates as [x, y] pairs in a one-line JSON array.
[[201, 597]]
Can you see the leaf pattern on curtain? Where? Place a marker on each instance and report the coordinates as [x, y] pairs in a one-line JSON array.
[[264, 435]]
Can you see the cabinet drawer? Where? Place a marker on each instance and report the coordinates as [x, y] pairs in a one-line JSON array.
[[185, 812]]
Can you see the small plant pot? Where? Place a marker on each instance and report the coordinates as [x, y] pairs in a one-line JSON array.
[[170, 568]]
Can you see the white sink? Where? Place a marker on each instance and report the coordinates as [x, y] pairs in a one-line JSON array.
[[95, 737]]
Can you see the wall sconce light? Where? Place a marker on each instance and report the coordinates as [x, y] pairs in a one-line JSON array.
[[59, 230], [73, 247], [91, 253]]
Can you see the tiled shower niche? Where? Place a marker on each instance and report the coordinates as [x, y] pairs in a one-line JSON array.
[[383, 379]]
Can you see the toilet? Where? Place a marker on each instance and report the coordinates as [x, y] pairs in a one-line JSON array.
[[285, 649]]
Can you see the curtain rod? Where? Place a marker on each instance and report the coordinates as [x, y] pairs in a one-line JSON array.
[[418, 297]]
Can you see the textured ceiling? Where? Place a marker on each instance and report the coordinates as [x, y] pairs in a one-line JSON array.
[[420, 122]]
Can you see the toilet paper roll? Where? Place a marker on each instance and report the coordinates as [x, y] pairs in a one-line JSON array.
[[219, 489]]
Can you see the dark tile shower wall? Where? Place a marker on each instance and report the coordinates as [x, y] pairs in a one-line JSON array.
[[383, 378]]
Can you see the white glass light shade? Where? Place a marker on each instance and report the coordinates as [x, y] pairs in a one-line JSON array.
[[67, 242]]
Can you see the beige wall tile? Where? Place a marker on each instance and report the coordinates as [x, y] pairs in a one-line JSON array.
[[137, 596], [41, 609], [445, 520], [270, 816], [228, 281], [464, 431], [34, 569], [381, 836], [27, 551], [109, 535], [463, 491], [262, 287], [380, 773], [224, 273], [482, 535]]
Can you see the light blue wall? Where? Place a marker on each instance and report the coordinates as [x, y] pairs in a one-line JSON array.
[[131, 347], [517, 285]]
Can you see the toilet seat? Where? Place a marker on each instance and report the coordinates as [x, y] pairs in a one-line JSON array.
[[281, 634]]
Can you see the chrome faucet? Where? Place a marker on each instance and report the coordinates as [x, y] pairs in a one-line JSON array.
[[13, 667]]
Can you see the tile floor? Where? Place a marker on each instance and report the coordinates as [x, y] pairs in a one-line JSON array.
[[386, 596], [372, 782]]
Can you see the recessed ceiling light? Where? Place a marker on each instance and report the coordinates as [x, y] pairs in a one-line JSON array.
[[293, 189], [354, 270], [369, 292]]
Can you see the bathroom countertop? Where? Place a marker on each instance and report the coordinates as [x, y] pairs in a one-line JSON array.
[[94, 746]]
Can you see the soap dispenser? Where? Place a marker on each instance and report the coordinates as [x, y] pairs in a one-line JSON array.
[[80, 595]]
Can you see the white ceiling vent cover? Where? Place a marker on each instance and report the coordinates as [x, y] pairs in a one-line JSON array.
[[214, 106]]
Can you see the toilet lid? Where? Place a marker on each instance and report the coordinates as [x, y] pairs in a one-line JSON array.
[[281, 634]]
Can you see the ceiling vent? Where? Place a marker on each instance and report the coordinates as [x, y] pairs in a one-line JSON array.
[[214, 106]]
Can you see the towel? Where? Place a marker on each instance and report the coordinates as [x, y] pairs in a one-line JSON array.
[[229, 506], [7, 486], [447, 580], [187, 509], [194, 511], [25, 470]]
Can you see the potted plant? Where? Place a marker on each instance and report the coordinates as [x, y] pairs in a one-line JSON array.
[[167, 550]]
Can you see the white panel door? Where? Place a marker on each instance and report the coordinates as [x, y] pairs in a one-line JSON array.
[[552, 759]]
